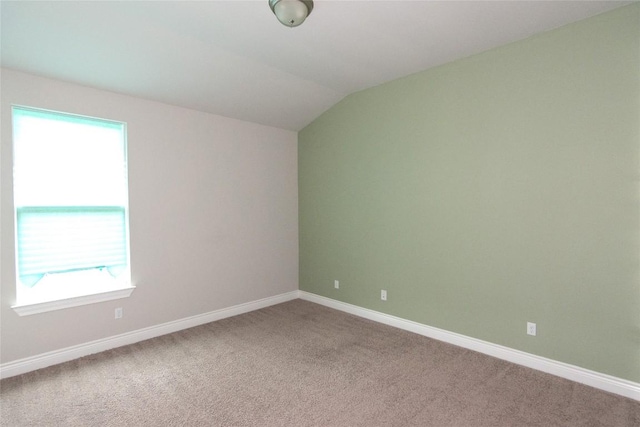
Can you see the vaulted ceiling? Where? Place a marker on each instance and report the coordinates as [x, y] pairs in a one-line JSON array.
[[233, 58]]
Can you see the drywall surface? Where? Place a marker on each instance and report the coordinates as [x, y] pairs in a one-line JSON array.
[[213, 215], [490, 192]]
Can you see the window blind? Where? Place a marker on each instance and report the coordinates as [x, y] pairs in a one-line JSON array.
[[62, 239]]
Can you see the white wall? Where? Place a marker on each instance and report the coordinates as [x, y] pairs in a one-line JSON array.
[[213, 215]]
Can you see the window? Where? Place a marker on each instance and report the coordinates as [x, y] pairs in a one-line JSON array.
[[71, 210]]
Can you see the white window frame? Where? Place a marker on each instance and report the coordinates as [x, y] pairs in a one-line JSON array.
[[77, 287]]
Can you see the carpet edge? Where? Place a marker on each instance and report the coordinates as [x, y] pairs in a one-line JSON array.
[[32, 363], [574, 373]]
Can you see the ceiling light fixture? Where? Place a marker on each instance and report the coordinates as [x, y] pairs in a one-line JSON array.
[[291, 12]]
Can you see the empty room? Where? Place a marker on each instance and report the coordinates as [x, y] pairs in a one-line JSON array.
[[320, 213]]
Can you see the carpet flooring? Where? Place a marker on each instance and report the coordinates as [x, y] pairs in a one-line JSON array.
[[301, 364]]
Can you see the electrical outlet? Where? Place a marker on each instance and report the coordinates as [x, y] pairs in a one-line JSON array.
[[531, 328], [336, 284], [119, 313], [383, 295]]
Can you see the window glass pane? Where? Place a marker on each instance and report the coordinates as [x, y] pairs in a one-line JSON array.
[[64, 160]]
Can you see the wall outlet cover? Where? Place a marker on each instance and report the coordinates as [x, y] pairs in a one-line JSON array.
[[531, 329]]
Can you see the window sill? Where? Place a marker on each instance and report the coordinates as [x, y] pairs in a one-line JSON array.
[[42, 307]]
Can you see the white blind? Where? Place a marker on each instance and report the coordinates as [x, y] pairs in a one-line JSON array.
[[70, 193]]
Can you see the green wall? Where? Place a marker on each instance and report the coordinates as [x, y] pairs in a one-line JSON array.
[[491, 191]]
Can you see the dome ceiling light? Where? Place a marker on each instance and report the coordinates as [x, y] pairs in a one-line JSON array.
[[291, 12]]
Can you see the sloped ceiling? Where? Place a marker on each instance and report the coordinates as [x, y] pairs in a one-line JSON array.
[[233, 58]]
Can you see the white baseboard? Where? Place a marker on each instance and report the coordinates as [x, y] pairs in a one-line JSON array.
[[574, 373], [28, 364]]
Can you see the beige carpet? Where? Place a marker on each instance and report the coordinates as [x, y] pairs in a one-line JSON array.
[[301, 364]]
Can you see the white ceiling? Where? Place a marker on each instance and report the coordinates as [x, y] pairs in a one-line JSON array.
[[233, 58]]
